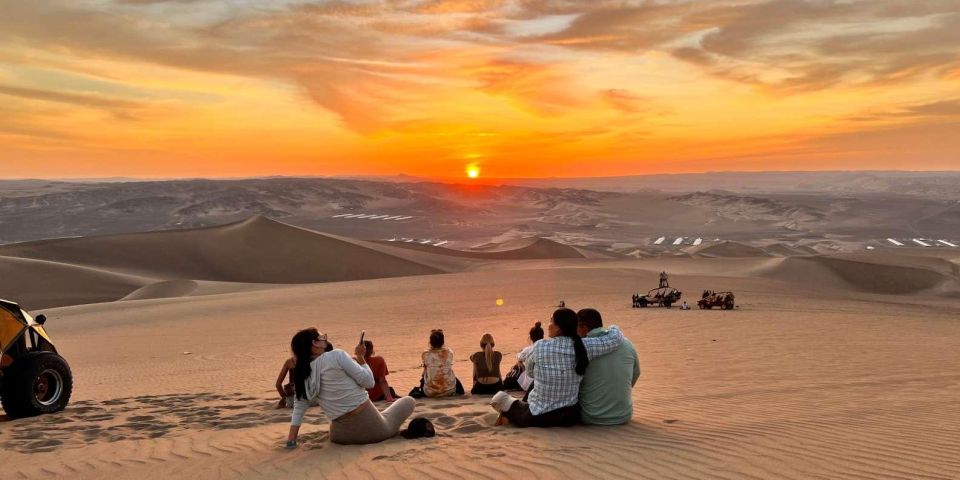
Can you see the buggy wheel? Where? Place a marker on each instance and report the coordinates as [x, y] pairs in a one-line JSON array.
[[643, 303], [39, 382], [667, 304]]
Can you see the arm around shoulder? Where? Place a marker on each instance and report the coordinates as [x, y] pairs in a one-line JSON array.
[[602, 345]]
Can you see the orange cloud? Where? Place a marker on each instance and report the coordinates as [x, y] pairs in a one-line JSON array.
[[382, 86]]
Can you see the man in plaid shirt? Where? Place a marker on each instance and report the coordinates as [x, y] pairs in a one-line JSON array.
[[552, 364]]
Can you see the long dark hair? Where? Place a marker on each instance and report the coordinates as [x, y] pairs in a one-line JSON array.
[[302, 346], [566, 320]]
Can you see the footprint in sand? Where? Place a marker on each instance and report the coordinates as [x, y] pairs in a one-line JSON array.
[[137, 418], [469, 427], [315, 440]]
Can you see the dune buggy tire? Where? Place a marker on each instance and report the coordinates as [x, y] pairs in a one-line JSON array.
[[667, 304], [643, 303], [37, 383]]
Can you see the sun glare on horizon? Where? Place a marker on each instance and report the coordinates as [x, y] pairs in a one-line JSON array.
[[473, 171]]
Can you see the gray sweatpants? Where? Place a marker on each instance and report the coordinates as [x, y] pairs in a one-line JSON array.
[[370, 425]]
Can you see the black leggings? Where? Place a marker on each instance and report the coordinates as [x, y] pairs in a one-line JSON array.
[[520, 416], [486, 389], [420, 394]]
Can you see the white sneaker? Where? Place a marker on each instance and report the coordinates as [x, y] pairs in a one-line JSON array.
[[502, 401]]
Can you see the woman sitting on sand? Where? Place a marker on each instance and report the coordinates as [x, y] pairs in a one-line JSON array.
[[525, 380], [487, 379], [381, 390], [438, 379], [557, 366], [286, 391], [339, 383]]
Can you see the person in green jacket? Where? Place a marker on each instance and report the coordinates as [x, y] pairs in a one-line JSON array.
[[605, 392]]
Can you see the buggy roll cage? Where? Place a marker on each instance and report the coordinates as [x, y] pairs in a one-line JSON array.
[[16, 325]]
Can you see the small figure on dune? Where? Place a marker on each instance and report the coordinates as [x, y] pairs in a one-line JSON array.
[[663, 280], [562, 304], [487, 379], [438, 379], [381, 390]]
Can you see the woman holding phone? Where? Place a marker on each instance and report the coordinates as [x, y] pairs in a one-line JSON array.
[[339, 383]]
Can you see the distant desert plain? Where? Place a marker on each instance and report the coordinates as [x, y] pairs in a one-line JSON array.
[[174, 302]]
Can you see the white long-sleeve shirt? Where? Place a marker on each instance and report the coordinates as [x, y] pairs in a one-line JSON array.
[[338, 382]]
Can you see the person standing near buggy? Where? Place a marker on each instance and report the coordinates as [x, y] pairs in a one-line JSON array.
[[663, 280]]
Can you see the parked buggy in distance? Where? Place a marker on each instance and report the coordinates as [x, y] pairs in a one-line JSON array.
[[34, 378], [721, 300], [657, 297]]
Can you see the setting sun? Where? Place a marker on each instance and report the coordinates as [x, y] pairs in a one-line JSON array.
[[473, 171]]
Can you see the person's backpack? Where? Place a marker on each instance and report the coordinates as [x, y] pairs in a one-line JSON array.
[[511, 380]]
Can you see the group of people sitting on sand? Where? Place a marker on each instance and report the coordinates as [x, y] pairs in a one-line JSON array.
[[581, 373]]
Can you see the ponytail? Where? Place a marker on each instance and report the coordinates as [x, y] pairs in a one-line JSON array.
[[581, 353], [486, 342], [566, 320], [302, 346]]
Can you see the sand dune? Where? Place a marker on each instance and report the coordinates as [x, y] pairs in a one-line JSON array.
[[844, 387], [164, 289], [866, 275], [784, 250], [533, 248], [726, 249], [43, 284], [256, 250]]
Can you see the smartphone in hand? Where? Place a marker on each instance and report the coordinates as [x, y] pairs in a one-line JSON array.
[[362, 334]]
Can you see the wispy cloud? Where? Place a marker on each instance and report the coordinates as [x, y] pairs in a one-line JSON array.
[[418, 67]]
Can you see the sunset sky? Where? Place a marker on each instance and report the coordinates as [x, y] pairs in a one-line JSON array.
[[521, 88]]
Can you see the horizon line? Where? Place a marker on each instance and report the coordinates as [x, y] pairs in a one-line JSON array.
[[460, 179]]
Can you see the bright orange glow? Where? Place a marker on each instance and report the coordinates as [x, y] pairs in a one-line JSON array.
[[421, 88], [473, 171]]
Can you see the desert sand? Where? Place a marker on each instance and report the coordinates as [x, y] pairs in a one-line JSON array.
[[832, 366]]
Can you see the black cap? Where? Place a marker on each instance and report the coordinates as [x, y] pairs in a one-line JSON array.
[[418, 428]]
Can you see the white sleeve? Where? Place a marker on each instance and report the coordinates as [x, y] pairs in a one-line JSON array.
[[359, 373], [299, 410], [312, 385]]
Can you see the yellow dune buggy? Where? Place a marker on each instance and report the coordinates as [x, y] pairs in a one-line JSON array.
[[34, 378]]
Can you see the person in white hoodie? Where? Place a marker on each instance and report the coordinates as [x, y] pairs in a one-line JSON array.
[[339, 384]]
